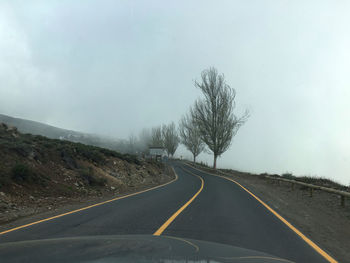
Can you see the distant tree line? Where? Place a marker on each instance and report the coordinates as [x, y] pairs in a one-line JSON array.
[[164, 136], [209, 125]]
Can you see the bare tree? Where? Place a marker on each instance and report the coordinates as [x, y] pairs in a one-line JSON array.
[[171, 139], [144, 140], [214, 115], [157, 137], [190, 136], [132, 144]]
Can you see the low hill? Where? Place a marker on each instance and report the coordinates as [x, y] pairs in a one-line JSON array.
[[38, 173], [38, 128]]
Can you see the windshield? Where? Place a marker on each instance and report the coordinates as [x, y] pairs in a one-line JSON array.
[[174, 130]]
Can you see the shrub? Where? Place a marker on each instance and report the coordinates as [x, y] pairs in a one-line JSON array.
[[130, 158], [204, 164], [47, 145], [4, 180], [22, 173], [322, 182], [91, 179], [288, 176], [21, 148], [90, 152]]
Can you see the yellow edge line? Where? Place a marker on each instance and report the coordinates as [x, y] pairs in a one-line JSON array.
[[306, 239], [172, 218], [87, 207]]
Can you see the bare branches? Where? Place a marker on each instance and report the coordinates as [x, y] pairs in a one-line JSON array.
[[210, 125], [190, 136], [213, 115], [165, 136], [157, 137], [170, 138]]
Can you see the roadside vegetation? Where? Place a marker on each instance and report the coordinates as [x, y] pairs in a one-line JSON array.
[[190, 136], [37, 173], [320, 181], [209, 126]]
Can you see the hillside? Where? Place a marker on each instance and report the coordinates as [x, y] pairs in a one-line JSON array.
[[38, 174], [38, 128]]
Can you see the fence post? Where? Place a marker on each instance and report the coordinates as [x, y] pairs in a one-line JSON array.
[[311, 191], [343, 194], [342, 201]]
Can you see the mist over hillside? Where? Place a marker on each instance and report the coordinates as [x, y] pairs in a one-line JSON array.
[[115, 72], [38, 128]]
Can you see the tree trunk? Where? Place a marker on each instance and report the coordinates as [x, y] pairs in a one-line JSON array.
[[194, 159], [215, 156]]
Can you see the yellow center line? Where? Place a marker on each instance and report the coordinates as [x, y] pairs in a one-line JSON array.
[[87, 207], [172, 218], [294, 229]]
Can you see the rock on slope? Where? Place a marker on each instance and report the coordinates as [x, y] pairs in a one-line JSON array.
[[38, 174]]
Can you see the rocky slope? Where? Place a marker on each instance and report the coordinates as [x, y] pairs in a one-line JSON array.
[[52, 132], [39, 174]]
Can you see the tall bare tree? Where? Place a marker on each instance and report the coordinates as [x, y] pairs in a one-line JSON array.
[[171, 139], [214, 115], [190, 136], [157, 137], [144, 140], [132, 144]]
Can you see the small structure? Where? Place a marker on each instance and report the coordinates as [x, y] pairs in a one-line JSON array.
[[156, 152]]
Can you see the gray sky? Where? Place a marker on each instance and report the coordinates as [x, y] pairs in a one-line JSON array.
[[114, 67]]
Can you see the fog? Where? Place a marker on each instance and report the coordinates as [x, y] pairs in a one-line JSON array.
[[116, 67]]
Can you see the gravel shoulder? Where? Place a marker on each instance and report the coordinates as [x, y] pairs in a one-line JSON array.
[[320, 217]]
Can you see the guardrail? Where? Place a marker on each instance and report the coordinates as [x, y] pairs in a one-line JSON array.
[[342, 194], [311, 187]]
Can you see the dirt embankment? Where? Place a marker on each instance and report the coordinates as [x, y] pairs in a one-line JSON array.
[[320, 217], [41, 176]]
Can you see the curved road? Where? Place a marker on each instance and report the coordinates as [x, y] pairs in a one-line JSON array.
[[197, 205]]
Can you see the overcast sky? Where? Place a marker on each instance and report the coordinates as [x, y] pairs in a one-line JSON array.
[[115, 67]]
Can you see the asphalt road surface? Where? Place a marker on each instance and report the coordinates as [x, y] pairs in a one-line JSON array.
[[197, 206]]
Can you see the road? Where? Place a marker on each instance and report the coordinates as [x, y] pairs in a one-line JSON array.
[[197, 205]]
